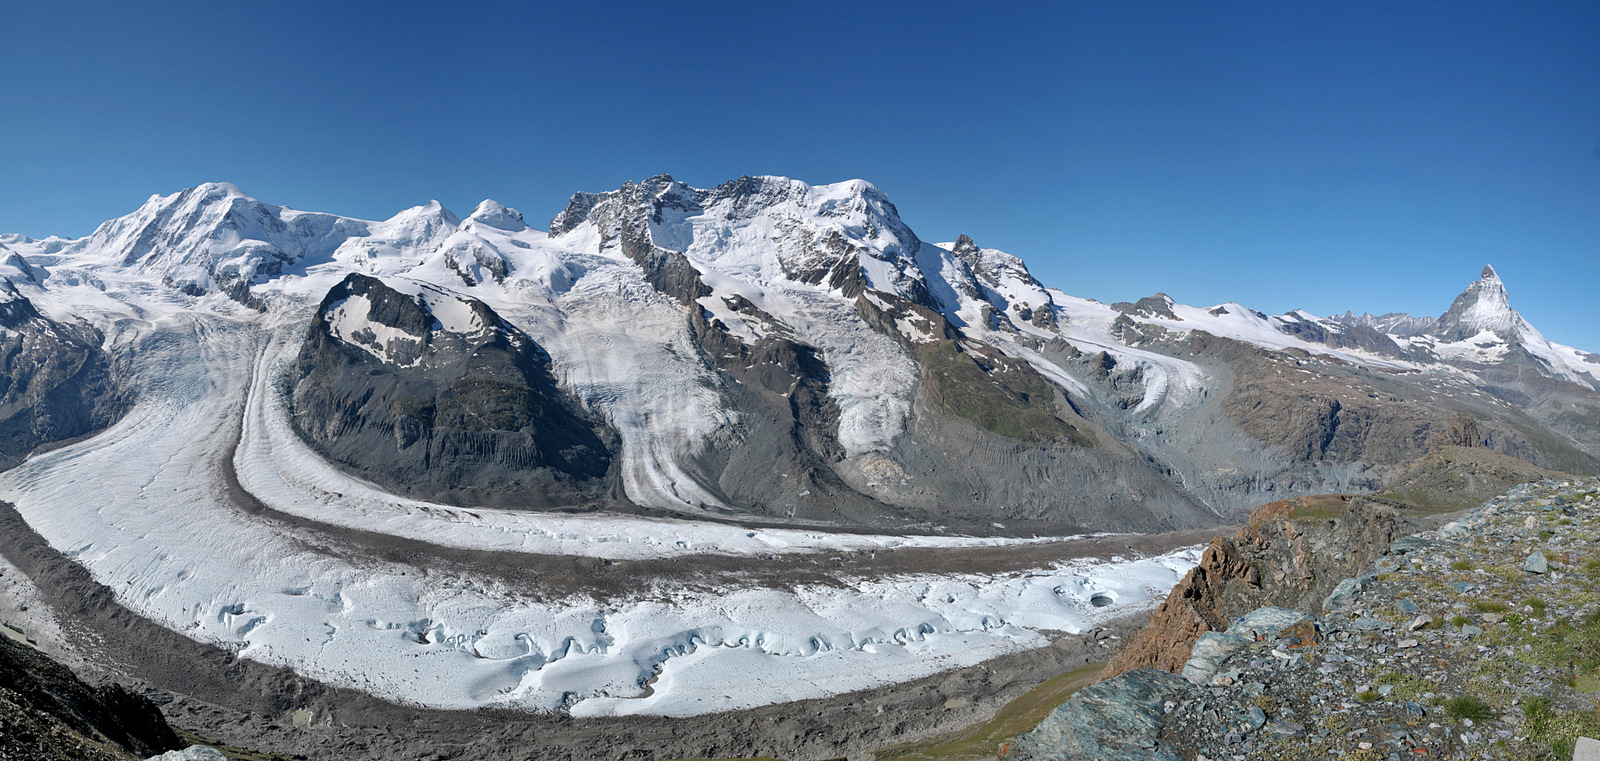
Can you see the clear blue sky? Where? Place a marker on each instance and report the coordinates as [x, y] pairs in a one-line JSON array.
[[1315, 155]]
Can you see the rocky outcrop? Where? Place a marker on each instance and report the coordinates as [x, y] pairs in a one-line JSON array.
[[1290, 554], [1473, 640], [47, 712], [1158, 306], [1337, 335], [436, 396], [1395, 323], [56, 382], [1116, 720]]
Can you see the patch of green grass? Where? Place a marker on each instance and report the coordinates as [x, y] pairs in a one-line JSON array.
[[1468, 707], [1564, 522], [1488, 606], [1535, 603], [1459, 621], [1405, 687], [1018, 716], [1558, 730], [1265, 702], [1567, 646], [1461, 565], [1367, 697]]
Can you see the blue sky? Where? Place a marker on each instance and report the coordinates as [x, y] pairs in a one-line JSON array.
[[1366, 157]]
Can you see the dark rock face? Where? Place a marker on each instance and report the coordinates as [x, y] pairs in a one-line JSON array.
[[1337, 335], [1157, 306], [438, 413], [46, 712], [56, 382], [1397, 323]]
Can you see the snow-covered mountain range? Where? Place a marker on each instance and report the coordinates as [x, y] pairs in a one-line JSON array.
[[717, 331], [758, 370]]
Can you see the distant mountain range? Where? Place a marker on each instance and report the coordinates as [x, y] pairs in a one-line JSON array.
[[766, 350]]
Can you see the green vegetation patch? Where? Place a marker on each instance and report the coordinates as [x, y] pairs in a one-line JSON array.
[[1558, 730], [1405, 687], [1468, 707], [1017, 717]]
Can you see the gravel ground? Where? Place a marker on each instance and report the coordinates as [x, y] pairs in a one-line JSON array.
[[1480, 640]]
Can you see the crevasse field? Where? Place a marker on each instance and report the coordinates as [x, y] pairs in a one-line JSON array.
[[151, 507], [146, 507]]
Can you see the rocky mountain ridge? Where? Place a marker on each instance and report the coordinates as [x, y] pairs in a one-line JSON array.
[[894, 381]]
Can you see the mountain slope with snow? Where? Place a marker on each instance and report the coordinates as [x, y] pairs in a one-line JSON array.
[[303, 422]]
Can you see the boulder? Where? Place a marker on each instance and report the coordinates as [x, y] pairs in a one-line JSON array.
[[1119, 719], [1209, 652], [1266, 622]]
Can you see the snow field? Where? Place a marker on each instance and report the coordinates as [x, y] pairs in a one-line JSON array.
[[144, 506]]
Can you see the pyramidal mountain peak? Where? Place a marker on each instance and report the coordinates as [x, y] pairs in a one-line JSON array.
[[757, 371], [1484, 307], [741, 296]]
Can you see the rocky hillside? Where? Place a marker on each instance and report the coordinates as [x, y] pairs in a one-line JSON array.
[[776, 351], [55, 380], [1291, 553], [435, 395], [48, 713], [1480, 639]]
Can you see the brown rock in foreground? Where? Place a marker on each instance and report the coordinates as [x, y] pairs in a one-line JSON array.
[[1290, 554]]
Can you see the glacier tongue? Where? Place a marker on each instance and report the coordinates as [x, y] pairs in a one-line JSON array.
[[146, 507]]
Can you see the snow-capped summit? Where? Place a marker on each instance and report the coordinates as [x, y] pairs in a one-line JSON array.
[[490, 212], [846, 235], [1482, 307], [212, 237]]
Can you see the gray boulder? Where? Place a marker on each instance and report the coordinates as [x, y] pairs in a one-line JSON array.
[[1116, 720], [1265, 622], [1344, 596], [1210, 651]]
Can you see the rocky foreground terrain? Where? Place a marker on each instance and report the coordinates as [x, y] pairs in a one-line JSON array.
[[1478, 639], [46, 712]]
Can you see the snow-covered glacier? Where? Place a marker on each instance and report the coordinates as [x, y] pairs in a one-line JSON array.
[[165, 506]]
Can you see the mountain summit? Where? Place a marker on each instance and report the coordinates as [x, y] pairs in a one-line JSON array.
[[1483, 307], [709, 338]]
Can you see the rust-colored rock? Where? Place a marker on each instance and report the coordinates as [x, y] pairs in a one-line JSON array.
[[1290, 554]]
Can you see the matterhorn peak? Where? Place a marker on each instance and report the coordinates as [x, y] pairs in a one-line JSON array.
[[1483, 307]]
